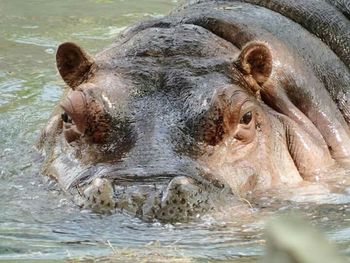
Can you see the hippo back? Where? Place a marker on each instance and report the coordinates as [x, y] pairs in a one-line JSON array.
[[317, 33]]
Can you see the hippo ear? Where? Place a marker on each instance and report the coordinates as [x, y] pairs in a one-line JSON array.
[[256, 60], [73, 64]]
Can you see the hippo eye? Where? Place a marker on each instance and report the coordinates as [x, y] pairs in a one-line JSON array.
[[65, 118], [246, 118]]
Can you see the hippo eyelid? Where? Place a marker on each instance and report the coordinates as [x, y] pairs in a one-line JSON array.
[[238, 98]]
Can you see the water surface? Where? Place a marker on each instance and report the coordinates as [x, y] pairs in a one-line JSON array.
[[39, 222]]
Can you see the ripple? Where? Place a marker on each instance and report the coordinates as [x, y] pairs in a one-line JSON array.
[[100, 33], [35, 40]]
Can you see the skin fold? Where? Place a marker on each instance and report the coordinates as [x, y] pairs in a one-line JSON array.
[[210, 105]]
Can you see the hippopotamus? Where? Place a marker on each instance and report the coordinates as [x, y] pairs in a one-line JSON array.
[[210, 105]]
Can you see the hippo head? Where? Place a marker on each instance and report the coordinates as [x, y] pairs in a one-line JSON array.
[[167, 126]]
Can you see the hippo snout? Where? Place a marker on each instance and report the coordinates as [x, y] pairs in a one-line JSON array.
[[179, 199]]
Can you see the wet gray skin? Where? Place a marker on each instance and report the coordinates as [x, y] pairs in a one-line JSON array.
[[219, 101]]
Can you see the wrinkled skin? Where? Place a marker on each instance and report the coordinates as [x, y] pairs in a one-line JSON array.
[[216, 102]]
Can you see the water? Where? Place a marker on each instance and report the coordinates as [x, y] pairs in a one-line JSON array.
[[39, 222]]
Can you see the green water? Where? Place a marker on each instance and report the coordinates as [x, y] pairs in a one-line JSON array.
[[39, 222]]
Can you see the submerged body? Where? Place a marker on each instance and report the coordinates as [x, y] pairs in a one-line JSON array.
[[219, 101]]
